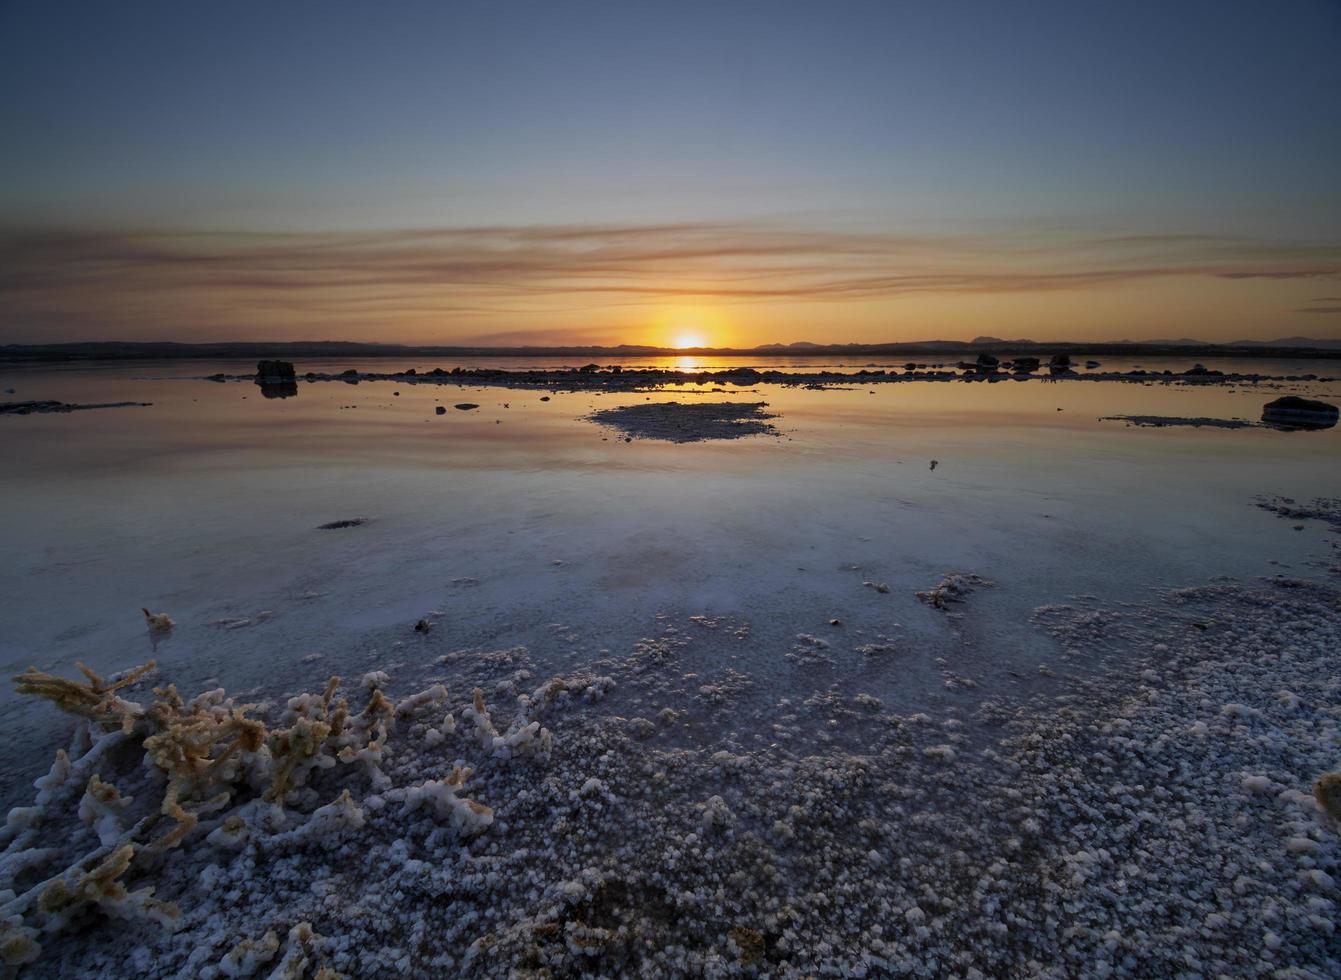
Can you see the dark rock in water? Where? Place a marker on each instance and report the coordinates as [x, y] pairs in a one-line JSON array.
[[589, 368], [217, 377], [988, 360], [423, 626], [1060, 360], [337, 525], [544, 398], [441, 410], [274, 371], [409, 371], [466, 406], [1197, 370], [910, 366], [1025, 364], [437, 372], [350, 376], [1091, 364], [1293, 412], [616, 369]]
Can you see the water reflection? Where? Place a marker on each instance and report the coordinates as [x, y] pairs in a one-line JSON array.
[[277, 387]]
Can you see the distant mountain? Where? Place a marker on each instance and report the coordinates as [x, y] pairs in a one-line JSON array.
[[1292, 342], [296, 350]]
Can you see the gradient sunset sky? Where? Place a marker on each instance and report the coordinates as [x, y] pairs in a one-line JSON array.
[[730, 173]]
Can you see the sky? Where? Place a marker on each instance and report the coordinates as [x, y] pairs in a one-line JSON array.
[[724, 174]]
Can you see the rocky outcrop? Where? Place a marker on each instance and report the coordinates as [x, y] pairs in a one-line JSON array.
[[274, 371], [1293, 412]]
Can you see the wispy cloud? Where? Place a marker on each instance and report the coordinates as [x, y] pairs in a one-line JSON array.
[[488, 274]]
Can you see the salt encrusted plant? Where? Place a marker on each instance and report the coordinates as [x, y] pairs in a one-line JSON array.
[[1327, 791], [96, 700], [102, 886], [955, 587], [249, 955], [159, 622], [102, 807], [18, 942], [205, 756], [524, 737], [468, 817]]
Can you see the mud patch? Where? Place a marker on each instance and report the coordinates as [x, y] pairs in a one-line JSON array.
[[681, 422]]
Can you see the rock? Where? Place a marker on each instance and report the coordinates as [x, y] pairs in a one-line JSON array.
[[423, 626], [1091, 364], [589, 368], [466, 406], [274, 371], [441, 409], [337, 525], [1060, 360], [1294, 412], [1200, 369], [1025, 364], [988, 360]]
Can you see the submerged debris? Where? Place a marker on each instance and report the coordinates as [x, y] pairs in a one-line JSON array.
[[955, 587], [160, 622]]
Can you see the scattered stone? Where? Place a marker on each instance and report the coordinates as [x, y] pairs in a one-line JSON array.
[[1293, 412], [466, 406], [336, 525]]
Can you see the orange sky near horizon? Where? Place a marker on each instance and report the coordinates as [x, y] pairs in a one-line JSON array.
[[712, 285]]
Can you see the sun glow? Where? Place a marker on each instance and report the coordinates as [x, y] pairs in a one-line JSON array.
[[686, 340]]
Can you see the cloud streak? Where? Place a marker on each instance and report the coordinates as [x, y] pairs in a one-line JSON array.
[[484, 274]]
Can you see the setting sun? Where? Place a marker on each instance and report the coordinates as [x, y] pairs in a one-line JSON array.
[[687, 340]]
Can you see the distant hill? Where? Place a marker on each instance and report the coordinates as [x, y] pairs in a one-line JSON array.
[[1291, 342], [334, 349]]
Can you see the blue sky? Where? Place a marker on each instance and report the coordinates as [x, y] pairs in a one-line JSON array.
[[970, 125]]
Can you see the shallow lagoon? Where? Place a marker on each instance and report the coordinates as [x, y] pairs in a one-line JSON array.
[[734, 775], [207, 505]]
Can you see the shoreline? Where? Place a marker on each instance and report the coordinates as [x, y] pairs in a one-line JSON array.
[[593, 378]]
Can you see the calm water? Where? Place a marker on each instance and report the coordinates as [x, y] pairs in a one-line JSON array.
[[206, 505]]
